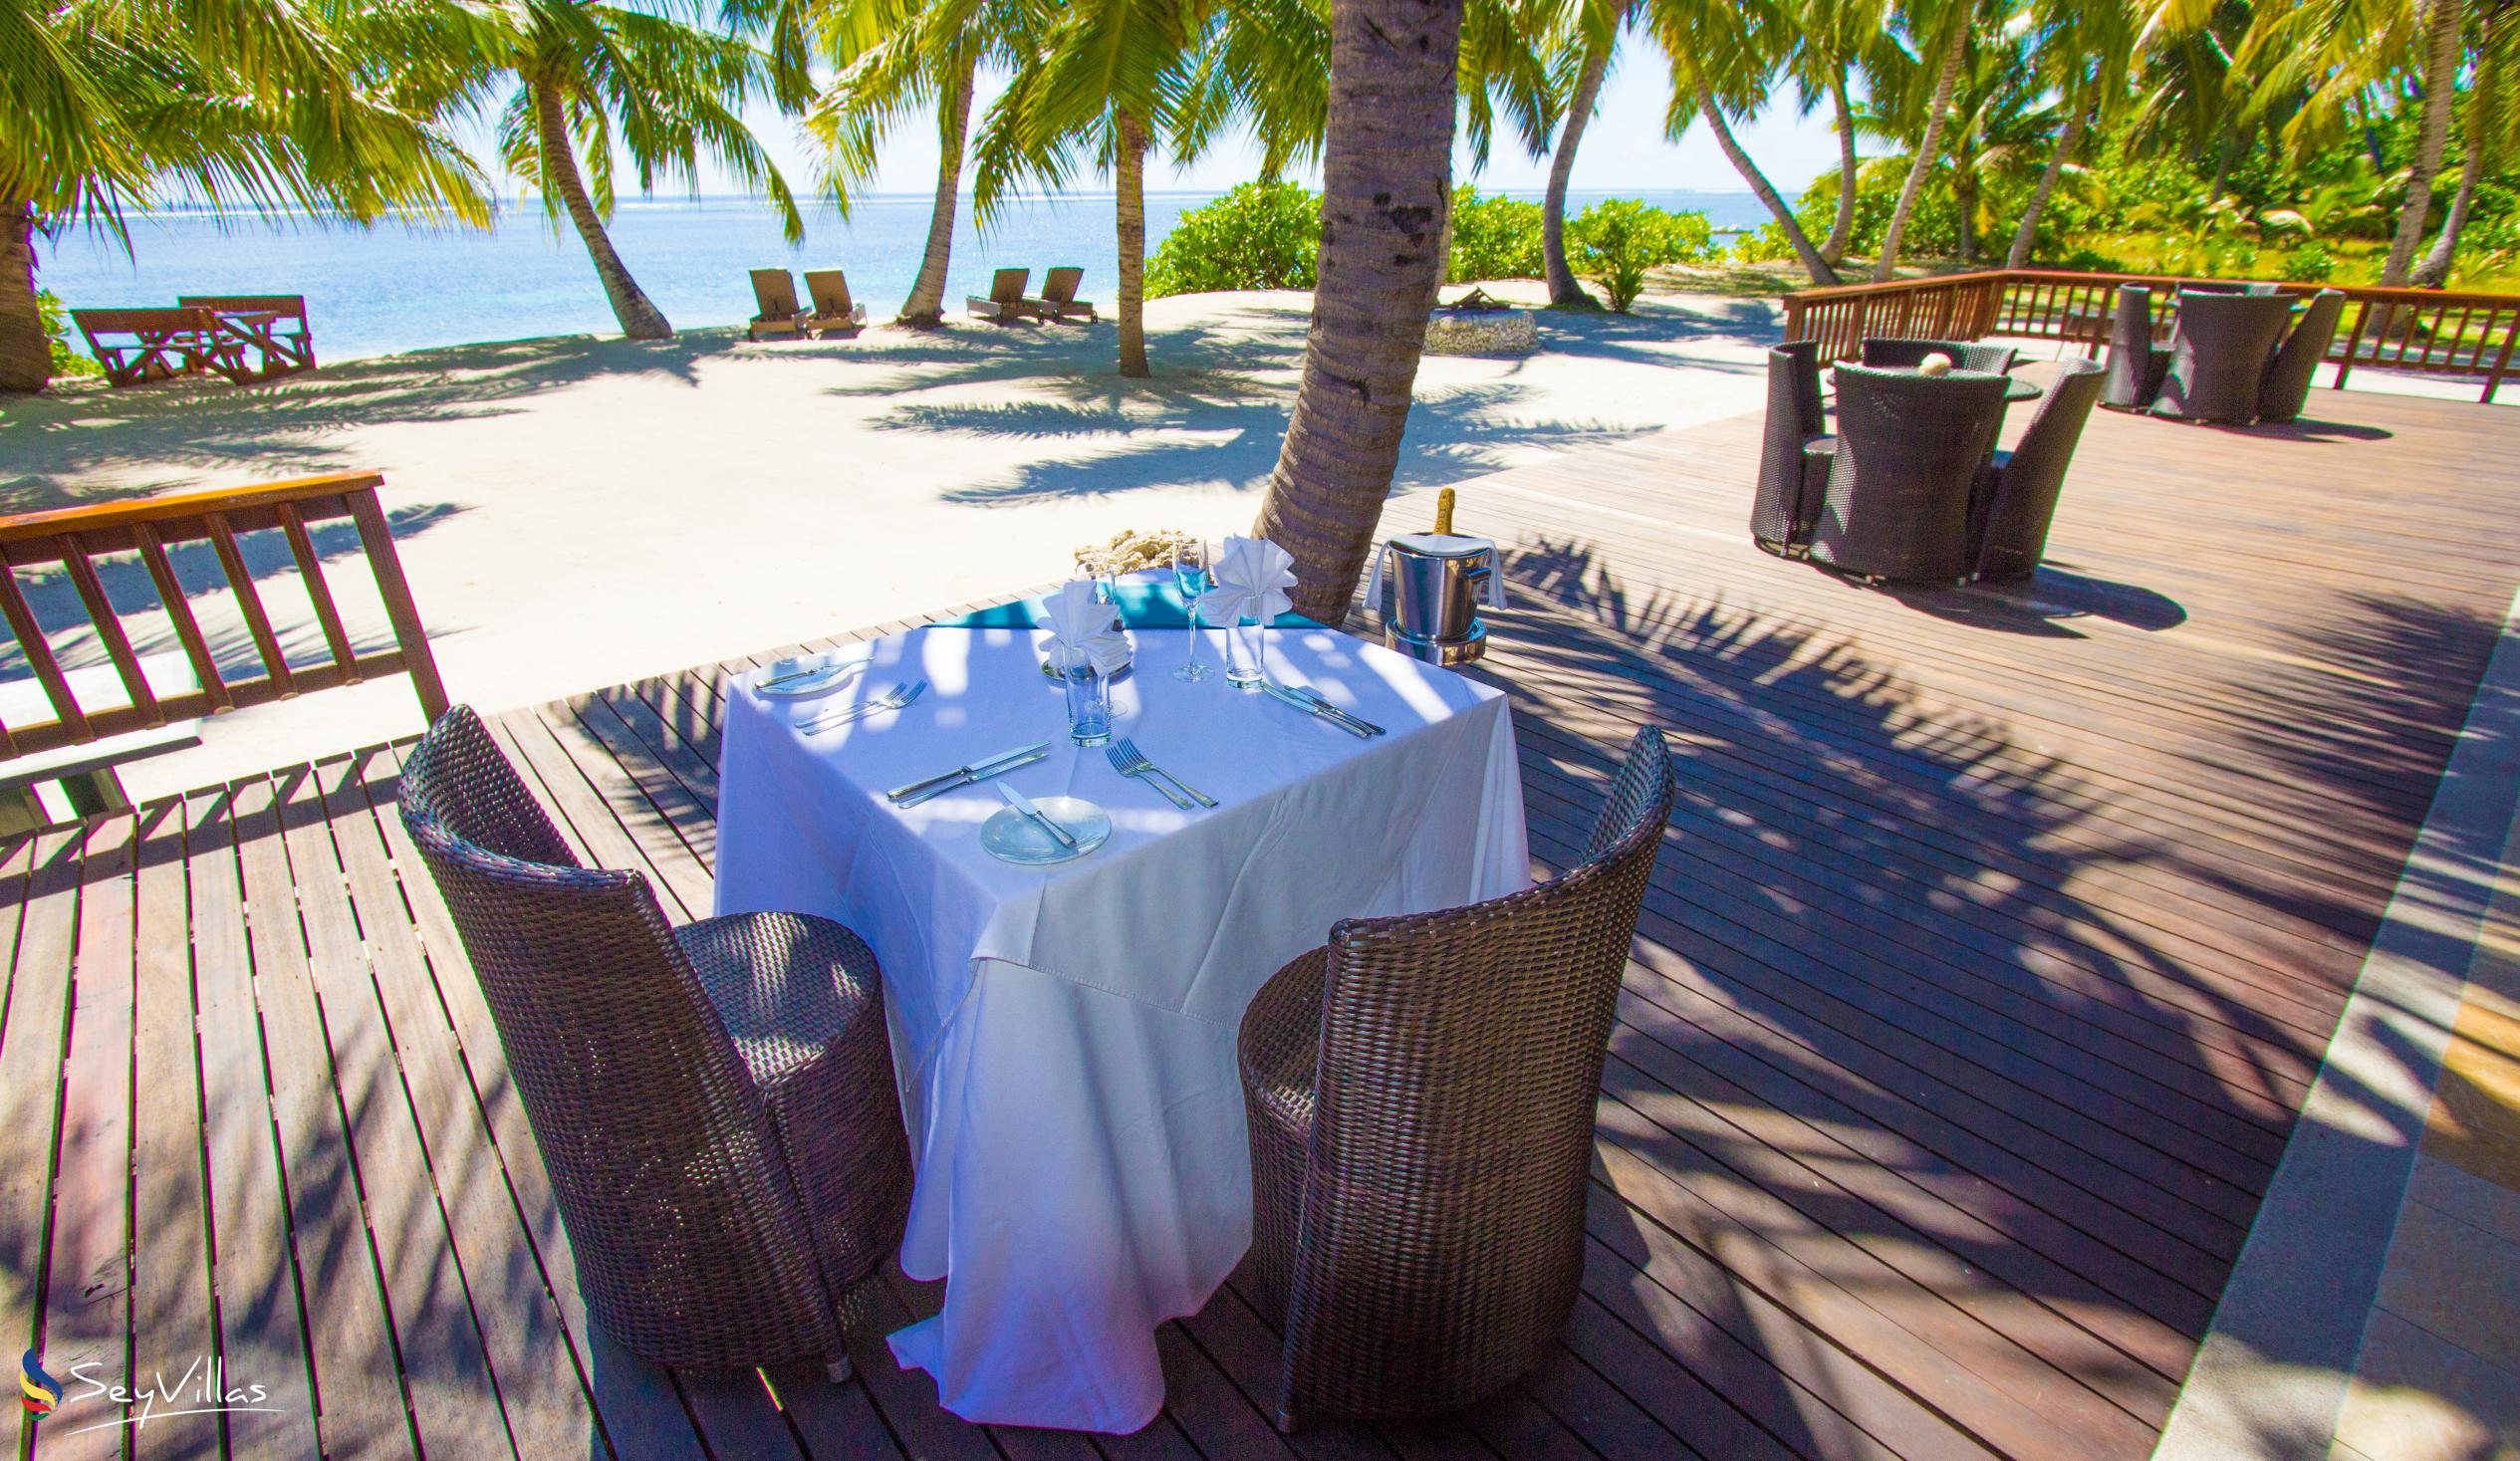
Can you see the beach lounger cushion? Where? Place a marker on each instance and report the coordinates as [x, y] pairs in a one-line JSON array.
[[774, 295], [1059, 295], [1005, 302], [832, 310]]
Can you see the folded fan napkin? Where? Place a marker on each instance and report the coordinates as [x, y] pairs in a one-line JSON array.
[[1084, 630], [1251, 576]]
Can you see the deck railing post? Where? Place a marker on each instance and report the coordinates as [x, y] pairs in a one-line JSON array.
[[376, 537], [2502, 361]]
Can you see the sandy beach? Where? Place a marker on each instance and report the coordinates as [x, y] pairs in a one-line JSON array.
[[582, 510], [578, 512]]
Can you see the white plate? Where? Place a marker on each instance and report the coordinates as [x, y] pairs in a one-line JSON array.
[[1012, 837], [818, 678]]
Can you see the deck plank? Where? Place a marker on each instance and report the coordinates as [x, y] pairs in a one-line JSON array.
[[1995, 942], [262, 1335], [171, 1326], [87, 1285]]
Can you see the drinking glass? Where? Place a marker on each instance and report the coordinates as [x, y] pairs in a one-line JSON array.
[[1245, 643], [1089, 693], [1189, 575]]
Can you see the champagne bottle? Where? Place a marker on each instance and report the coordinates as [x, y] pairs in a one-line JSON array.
[[1444, 512]]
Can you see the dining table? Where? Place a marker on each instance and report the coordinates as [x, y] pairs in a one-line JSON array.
[[1064, 1035]]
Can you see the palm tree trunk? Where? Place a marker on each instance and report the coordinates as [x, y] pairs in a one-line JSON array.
[[1850, 173], [1130, 186], [2027, 235], [1817, 267], [1387, 190], [26, 352], [925, 307], [1918, 171], [640, 320], [2434, 271], [1563, 288], [2440, 69]]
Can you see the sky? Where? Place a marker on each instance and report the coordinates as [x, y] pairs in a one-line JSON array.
[[1623, 148]]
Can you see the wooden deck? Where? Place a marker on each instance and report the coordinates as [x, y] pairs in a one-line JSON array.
[[1989, 955]]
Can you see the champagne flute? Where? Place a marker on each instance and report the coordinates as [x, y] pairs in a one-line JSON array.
[[1190, 577]]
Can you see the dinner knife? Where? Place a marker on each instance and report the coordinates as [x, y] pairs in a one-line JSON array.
[[1024, 803], [966, 778], [1317, 708], [972, 770], [1350, 716]]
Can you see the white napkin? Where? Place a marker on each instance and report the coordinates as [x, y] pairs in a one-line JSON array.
[[1491, 593], [1251, 576], [1081, 628]]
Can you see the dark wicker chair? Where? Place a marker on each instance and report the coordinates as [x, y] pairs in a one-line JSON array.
[[715, 1103], [1793, 453], [2022, 490], [1421, 1099], [1911, 451], [2287, 386], [2135, 363], [1890, 353], [2218, 355]]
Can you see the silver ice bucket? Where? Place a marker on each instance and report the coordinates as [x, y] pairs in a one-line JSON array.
[[1432, 606]]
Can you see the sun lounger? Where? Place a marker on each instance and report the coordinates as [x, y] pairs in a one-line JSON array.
[[139, 345], [773, 293], [834, 311], [1059, 297], [1005, 302], [272, 325]]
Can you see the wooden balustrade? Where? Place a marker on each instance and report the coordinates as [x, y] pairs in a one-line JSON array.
[[76, 537], [2426, 331]]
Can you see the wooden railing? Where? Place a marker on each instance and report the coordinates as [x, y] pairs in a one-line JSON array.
[[76, 537], [2427, 330]]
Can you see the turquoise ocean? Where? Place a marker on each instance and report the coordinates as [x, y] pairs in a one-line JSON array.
[[392, 288]]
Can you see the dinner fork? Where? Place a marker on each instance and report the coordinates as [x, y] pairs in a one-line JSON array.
[[893, 699], [1128, 760]]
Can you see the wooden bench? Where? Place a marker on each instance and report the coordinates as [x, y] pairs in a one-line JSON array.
[[140, 346], [156, 693], [272, 324]]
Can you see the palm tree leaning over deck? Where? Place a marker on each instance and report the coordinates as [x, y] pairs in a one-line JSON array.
[[1723, 55], [264, 109], [1386, 189], [893, 58], [1940, 30], [1832, 39], [1591, 37], [1114, 80], [664, 85], [2488, 127]]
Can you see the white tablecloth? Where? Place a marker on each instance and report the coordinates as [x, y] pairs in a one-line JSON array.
[[1065, 1035]]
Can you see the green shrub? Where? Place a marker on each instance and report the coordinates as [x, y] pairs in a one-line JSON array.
[[1616, 241], [67, 359], [2309, 264], [1493, 238], [1262, 235], [1763, 245]]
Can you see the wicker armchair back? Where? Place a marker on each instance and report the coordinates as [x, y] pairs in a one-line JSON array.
[[2022, 495], [1883, 351], [2219, 354], [1911, 451], [2135, 363], [1788, 497], [1423, 1101], [691, 1244], [2287, 386]]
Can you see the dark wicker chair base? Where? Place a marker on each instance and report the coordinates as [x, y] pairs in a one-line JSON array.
[[715, 1103], [1421, 1095]]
